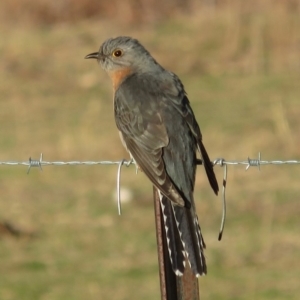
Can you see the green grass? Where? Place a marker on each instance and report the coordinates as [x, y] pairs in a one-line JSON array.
[[55, 102]]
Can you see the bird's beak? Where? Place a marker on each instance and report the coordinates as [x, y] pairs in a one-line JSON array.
[[93, 55]]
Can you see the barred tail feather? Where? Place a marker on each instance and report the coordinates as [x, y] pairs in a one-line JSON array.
[[191, 237], [184, 238], [175, 247]]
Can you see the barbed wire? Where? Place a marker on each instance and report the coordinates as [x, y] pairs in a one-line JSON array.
[[40, 163], [249, 162]]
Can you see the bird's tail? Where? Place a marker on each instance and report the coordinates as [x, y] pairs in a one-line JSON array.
[[184, 238]]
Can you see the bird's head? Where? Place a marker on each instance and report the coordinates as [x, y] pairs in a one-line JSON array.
[[123, 52]]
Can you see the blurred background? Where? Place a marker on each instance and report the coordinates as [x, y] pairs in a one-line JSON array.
[[60, 235]]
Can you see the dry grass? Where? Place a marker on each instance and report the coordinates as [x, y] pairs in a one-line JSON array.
[[241, 70]]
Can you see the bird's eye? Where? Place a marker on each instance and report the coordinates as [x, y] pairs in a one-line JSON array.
[[117, 53]]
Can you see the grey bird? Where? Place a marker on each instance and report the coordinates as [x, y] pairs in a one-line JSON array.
[[158, 128]]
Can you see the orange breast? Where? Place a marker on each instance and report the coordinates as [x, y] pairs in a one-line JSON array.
[[118, 76]]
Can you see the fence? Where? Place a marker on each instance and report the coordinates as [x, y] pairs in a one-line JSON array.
[[172, 287]]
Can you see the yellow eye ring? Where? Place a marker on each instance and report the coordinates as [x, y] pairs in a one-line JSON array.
[[117, 53]]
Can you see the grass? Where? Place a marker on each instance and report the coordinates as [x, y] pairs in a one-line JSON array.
[[55, 102]]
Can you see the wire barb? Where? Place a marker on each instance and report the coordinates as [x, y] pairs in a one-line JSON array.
[[254, 162], [35, 163]]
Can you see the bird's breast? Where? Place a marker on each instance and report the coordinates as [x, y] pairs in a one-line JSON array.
[[119, 76]]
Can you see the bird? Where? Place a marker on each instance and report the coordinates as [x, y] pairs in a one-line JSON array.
[[158, 128]]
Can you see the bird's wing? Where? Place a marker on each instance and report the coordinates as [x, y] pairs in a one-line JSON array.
[[182, 105], [145, 136], [191, 121]]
